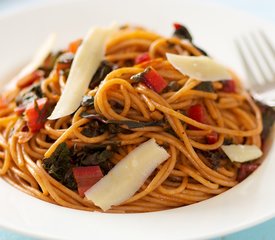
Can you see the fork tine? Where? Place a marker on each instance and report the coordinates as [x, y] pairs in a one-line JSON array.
[[248, 71], [261, 50], [256, 52], [270, 47], [255, 59]]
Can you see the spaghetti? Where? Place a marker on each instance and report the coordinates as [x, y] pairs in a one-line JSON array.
[[190, 119]]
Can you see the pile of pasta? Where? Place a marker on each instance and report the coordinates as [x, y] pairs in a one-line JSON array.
[[196, 169]]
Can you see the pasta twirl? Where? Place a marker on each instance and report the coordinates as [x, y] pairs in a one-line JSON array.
[[122, 109]]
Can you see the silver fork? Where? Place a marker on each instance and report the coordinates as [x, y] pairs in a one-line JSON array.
[[258, 57]]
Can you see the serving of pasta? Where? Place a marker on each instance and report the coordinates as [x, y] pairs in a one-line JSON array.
[[125, 120]]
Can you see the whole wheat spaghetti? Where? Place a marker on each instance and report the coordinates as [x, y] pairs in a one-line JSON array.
[[189, 118]]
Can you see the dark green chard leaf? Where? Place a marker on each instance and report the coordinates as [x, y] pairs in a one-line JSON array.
[[36, 89], [139, 77], [171, 131], [102, 71], [88, 132], [115, 129], [97, 158], [59, 166], [87, 101], [49, 63], [182, 32], [106, 166], [42, 113], [93, 129], [99, 125], [95, 155], [109, 145], [216, 158], [173, 86], [128, 123], [93, 116], [227, 141], [135, 124], [29, 94], [205, 87]]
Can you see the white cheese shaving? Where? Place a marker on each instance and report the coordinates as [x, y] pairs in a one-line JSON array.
[[242, 153], [86, 61], [38, 59], [127, 176], [201, 68]]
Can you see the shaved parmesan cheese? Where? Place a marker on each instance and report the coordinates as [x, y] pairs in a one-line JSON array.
[[127, 176], [242, 153], [38, 58], [85, 63], [201, 68]]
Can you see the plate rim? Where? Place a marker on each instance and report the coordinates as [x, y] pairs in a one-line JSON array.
[[51, 4]]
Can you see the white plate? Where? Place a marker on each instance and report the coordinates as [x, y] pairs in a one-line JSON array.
[[214, 28]]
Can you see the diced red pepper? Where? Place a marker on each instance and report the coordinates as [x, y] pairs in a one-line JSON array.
[[30, 79], [86, 177], [36, 114], [73, 46], [177, 26], [154, 80], [197, 113], [246, 169], [229, 86], [212, 138], [144, 57]]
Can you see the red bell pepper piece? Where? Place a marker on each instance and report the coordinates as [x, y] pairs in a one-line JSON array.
[[212, 138], [30, 79], [36, 114], [86, 177], [144, 57], [153, 80], [197, 113], [177, 26], [229, 86], [73, 46], [246, 169]]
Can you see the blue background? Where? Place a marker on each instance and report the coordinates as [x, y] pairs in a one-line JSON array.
[[262, 8]]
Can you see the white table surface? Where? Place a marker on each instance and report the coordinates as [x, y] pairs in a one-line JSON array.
[[264, 9]]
